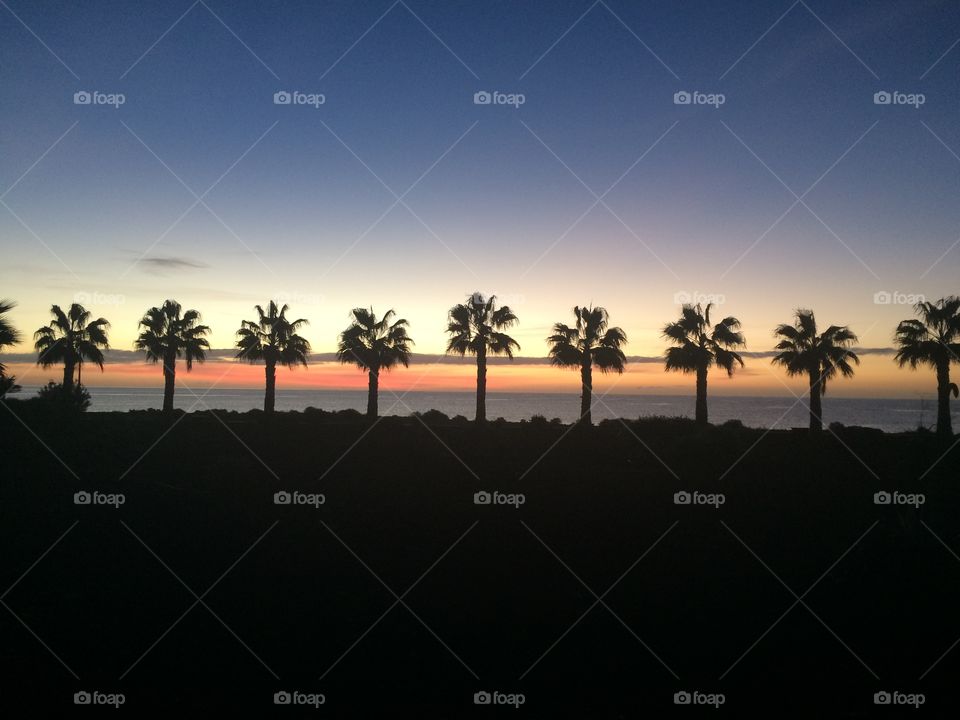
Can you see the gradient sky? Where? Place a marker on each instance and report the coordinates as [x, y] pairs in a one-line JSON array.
[[300, 203]]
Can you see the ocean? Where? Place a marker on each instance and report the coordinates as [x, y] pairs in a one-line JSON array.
[[890, 415]]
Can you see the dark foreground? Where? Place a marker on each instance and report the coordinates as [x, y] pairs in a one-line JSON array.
[[598, 597]]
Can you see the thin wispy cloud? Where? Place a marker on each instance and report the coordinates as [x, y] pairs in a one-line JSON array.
[[170, 264]]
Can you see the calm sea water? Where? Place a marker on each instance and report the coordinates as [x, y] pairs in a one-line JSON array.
[[886, 414]]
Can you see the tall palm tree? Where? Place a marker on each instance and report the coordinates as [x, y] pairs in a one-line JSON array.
[[819, 357], [9, 335], [374, 345], [167, 335], [698, 346], [71, 339], [475, 327], [591, 342], [933, 340], [274, 340]]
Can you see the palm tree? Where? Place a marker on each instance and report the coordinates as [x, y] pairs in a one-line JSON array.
[[591, 342], [8, 336], [475, 327], [273, 339], [71, 339], [819, 357], [699, 346], [374, 345], [933, 340], [166, 336]]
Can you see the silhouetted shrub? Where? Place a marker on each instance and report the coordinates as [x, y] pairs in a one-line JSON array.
[[432, 416], [8, 385], [55, 394], [665, 421], [734, 424], [856, 431], [538, 420], [350, 415]]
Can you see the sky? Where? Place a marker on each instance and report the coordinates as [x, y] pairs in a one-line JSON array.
[[782, 184]]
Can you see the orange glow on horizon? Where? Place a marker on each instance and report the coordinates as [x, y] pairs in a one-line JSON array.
[[877, 376]]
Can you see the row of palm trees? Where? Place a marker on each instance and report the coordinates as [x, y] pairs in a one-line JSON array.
[[477, 327]]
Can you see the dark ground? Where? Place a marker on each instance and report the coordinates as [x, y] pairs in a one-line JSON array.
[[290, 599]]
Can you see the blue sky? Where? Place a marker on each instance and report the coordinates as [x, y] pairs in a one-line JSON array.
[[299, 193]]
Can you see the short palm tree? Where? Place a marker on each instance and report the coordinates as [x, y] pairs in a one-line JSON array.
[[8, 336], [475, 327], [273, 339], [819, 357], [698, 346], [933, 340], [590, 343], [71, 339], [167, 335], [374, 345]]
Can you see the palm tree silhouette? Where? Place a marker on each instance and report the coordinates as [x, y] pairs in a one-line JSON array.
[[71, 339], [820, 357], [591, 342], [9, 335], [166, 336], [933, 340], [475, 327], [374, 345], [273, 339], [699, 346]]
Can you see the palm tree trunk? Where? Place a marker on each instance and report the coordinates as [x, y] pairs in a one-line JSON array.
[[944, 424], [68, 375], [586, 381], [169, 382], [701, 417], [816, 406], [372, 389], [482, 385], [269, 397]]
